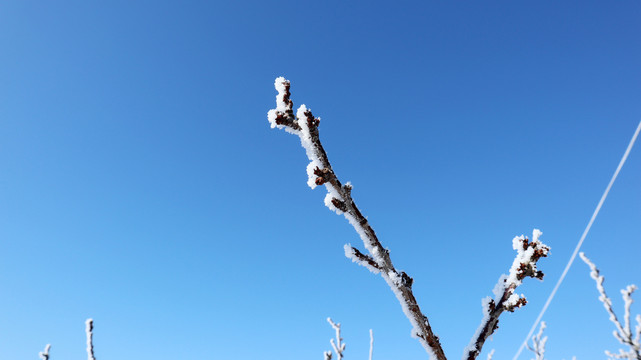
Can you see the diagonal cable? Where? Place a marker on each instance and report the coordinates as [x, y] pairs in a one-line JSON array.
[[578, 246]]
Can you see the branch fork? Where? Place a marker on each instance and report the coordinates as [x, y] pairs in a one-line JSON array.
[[524, 265], [377, 259], [623, 332]]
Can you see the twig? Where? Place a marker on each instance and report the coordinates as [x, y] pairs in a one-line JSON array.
[[524, 265], [622, 333], [89, 332], [361, 259], [339, 199], [371, 343], [337, 345], [490, 355], [44, 355], [538, 344]]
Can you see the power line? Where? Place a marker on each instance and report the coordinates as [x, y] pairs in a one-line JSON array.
[[578, 246]]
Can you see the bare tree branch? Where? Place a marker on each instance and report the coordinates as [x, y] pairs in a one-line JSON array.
[[337, 345], [377, 259], [490, 355], [371, 343], [339, 199], [623, 333], [524, 265], [89, 332], [538, 343], [44, 355], [361, 259]]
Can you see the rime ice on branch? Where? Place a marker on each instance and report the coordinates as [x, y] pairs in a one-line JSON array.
[[377, 259], [623, 333], [338, 345], [490, 355], [339, 199], [524, 265], [538, 343], [89, 332], [371, 343], [44, 355]]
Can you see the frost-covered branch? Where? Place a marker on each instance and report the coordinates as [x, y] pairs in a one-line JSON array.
[[337, 345], [538, 343], [339, 199], [623, 333], [371, 343], [627, 299], [361, 259], [524, 265], [89, 331], [44, 355], [490, 355]]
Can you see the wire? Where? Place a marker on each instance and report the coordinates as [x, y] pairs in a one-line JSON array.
[[578, 246]]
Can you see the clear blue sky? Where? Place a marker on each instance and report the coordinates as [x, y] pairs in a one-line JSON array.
[[141, 185]]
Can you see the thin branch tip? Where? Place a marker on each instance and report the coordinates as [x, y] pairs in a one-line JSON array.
[[506, 299]]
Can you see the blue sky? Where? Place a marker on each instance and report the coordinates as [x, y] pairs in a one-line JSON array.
[[142, 186]]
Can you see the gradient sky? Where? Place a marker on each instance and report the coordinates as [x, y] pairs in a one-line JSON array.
[[141, 185]]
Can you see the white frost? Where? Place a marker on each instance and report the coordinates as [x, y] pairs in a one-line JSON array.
[[44, 355], [350, 254], [313, 155], [279, 84], [271, 117], [623, 333], [490, 355], [538, 343], [485, 305], [337, 345], [89, 332], [523, 257], [499, 288], [506, 282], [512, 300]]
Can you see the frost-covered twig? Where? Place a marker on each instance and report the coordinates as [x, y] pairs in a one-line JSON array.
[[622, 333], [538, 343], [490, 355], [339, 199], [89, 331], [371, 343], [524, 265], [337, 345], [44, 355]]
